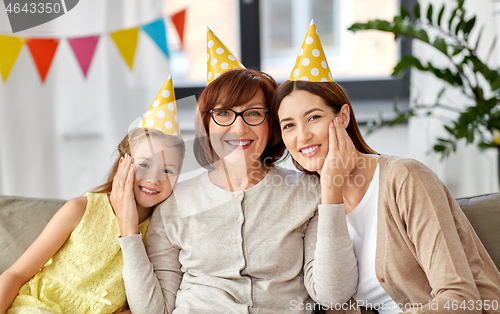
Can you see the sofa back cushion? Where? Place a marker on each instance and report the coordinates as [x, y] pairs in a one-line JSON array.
[[483, 212], [22, 220]]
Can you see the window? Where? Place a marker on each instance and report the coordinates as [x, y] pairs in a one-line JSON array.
[[273, 31], [188, 65], [284, 25]]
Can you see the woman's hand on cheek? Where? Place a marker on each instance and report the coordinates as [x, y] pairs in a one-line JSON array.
[[341, 159], [122, 198]]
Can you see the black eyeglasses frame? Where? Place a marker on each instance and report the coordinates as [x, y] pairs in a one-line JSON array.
[[238, 114]]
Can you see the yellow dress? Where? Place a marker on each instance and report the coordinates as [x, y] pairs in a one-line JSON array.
[[85, 275]]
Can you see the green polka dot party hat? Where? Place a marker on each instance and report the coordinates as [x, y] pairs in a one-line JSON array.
[[219, 58], [162, 115], [311, 64]]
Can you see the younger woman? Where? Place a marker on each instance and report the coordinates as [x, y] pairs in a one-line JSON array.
[[75, 265], [416, 250]]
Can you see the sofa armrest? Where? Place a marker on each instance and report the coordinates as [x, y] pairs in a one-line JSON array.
[[22, 219], [483, 212]]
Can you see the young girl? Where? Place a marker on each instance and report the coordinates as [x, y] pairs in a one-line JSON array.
[[79, 247], [415, 248]]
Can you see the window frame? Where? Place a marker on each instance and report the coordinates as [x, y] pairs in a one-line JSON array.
[[358, 89]]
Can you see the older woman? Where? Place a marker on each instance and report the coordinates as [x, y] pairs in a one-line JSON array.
[[244, 237]]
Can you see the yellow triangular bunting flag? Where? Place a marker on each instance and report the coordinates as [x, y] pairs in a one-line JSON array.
[[11, 46], [162, 115], [219, 58], [126, 42], [311, 62]]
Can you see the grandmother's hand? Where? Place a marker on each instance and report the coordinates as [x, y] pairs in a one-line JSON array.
[[122, 198], [341, 159]]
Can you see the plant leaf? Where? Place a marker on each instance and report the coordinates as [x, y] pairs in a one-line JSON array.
[[357, 27], [452, 16], [440, 15], [457, 50], [429, 13], [469, 137], [486, 145], [479, 37], [404, 12], [461, 22], [449, 129], [469, 25], [492, 47], [439, 148], [381, 25], [416, 10], [400, 119], [407, 62], [395, 105], [459, 26], [440, 94], [422, 35], [445, 74], [441, 45]]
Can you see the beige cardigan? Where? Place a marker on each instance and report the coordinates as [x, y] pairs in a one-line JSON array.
[[428, 255]]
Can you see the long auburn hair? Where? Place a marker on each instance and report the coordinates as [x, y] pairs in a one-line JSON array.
[[231, 89], [334, 97], [130, 141]]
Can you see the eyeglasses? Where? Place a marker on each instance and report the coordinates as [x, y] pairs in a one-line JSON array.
[[226, 117]]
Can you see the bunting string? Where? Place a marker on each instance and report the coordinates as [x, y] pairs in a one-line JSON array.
[[43, 50]]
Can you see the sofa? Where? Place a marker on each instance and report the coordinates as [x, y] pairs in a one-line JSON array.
[[22, 219]]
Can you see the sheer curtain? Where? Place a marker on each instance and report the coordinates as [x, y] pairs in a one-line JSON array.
[[57, 138], [468, 171]]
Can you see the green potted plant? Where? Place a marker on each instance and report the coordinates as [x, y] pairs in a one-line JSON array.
[[479, 122]]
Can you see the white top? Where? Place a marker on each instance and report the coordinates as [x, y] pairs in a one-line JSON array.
[[362, 227], [264, 249]]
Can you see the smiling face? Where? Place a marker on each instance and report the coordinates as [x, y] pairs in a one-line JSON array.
[[240, 144], [155, 173], [304, 119]]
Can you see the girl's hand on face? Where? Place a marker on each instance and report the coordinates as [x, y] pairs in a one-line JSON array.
[[341, 159], [122, 198]]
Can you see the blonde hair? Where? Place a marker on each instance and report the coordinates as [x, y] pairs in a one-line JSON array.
[[130, 141]]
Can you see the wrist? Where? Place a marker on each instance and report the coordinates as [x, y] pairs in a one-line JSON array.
[[126, 231], [331, 201], [331, 196], [127, 234]]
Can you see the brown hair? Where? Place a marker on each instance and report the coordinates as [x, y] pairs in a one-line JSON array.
[[231, 89], [130, 141], [335, 97]]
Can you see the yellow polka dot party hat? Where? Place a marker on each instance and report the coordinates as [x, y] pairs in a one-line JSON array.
[[219, 58], [311, 62], [162, 115]]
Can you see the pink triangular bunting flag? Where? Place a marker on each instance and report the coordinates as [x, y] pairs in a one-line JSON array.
[[84, 48]]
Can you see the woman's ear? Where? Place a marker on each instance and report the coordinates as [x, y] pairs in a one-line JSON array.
[[345, 115]]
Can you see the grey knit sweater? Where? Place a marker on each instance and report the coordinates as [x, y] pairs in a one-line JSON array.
[[267, 249]]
